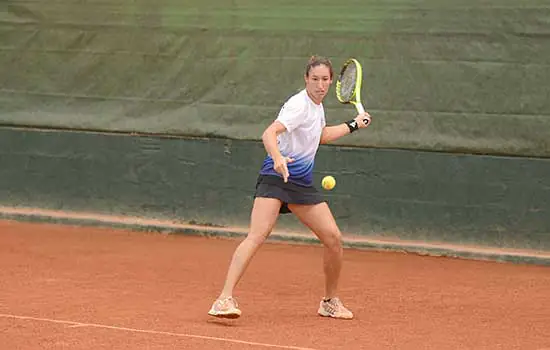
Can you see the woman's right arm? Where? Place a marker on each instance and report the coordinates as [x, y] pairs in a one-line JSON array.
[[269, 138]]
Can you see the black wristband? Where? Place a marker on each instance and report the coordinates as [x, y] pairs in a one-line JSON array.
[[352, 125]]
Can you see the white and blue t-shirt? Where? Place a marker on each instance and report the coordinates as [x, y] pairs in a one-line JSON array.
[[304, 121]]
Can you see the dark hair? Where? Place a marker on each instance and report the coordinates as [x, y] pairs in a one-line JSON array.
[[315, 61]]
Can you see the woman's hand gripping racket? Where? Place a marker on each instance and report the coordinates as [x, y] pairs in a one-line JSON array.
[[348, 85]]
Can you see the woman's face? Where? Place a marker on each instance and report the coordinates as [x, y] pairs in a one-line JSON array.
[[318, 82]]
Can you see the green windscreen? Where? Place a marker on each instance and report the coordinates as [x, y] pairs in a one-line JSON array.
[[464, 76]]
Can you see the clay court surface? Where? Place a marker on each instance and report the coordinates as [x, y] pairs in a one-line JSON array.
[[68, 287]]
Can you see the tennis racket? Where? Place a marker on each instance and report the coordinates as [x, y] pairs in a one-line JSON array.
[[348, 85]]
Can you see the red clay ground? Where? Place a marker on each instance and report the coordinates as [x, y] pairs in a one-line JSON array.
[[66, 287]]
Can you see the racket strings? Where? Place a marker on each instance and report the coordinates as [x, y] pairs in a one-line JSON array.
[[347, 82]]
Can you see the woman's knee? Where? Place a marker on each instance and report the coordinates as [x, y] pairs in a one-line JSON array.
[[333, 241]]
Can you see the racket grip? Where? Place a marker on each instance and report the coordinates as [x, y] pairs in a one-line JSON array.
[[359, 107]]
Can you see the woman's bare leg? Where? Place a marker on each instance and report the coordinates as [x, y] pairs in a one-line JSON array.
[[265, 212], [320, 220]]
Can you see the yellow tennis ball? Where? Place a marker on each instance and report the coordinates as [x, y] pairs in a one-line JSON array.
[[328, 182]]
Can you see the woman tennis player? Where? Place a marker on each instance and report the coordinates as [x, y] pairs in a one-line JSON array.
[[285, 184]]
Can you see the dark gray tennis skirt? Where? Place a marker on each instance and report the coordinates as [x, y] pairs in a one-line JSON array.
[[270, 186]]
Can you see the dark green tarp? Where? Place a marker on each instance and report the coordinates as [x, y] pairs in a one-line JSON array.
[[465, 76]]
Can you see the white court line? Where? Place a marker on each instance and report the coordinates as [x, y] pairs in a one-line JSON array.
[[77, 325], [74, 324]]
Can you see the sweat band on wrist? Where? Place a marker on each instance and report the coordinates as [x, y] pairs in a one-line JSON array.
[[352, 125]]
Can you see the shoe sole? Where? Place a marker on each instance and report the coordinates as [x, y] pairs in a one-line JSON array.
[[326, 314], [228, 316]]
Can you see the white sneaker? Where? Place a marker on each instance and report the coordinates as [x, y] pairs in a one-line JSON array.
[[334, 308], [225, 308]]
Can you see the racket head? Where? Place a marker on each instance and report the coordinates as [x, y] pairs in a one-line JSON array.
[[348, 83]]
